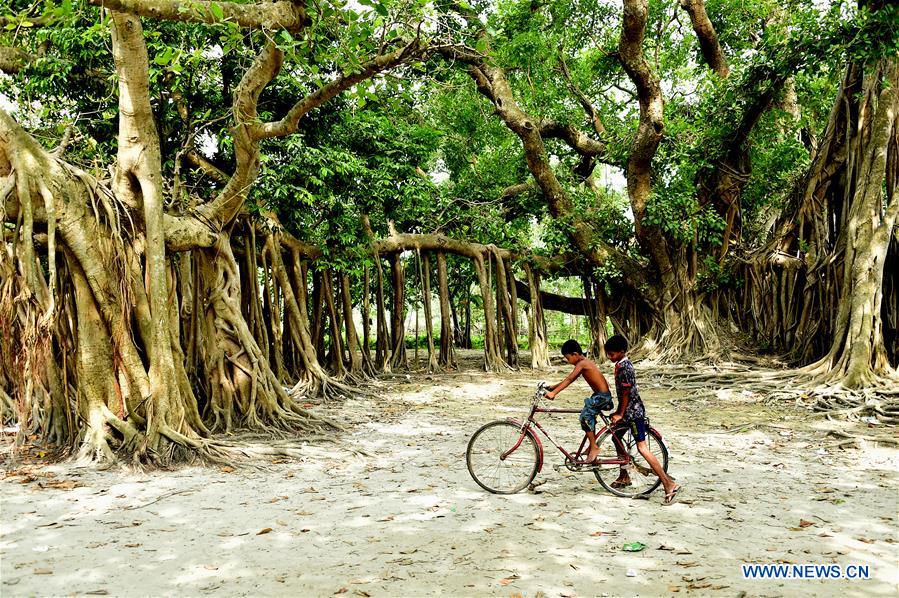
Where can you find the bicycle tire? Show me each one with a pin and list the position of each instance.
(607, 451)
(486, 446)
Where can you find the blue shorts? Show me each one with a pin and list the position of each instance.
(592, 406)
(638, 428)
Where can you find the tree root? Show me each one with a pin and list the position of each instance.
(807, 388)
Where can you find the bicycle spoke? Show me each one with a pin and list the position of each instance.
(490, 470)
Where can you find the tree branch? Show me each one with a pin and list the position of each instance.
(290, 123)
(705, 33)
(14, 60)
(281, 14)
(582, 98)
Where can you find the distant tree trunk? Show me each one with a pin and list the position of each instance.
(382, 347)
(318, 316)
(273, 312)
(493, 361)
(398, 328)
(466, 328)
(335, 356)
(424, 264)
(537, 338)
(513, 304)
(596, 318)
(504, 310)
(447, 357)
(352, 340)
(366, 314)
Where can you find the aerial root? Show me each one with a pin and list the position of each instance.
(808, 389)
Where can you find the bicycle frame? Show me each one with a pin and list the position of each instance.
(531, 422)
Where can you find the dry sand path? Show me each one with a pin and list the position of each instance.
(390, 510)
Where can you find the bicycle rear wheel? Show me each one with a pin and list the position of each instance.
(486, 465)
(642, 479)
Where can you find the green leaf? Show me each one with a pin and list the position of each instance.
(217, 11)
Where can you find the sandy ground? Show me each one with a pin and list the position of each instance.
(390, 510)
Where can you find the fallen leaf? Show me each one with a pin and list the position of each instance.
(865, 540)
(804, 523)
(43, 572)
(264, 530)
(507, 580)
(674, 589)
(100, 592)
(60, 484)
(687, 564)
(226, 469)
(341, 591)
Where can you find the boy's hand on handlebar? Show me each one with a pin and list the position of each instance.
(550, 395)
(615, 418)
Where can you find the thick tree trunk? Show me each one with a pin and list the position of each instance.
(858, 357)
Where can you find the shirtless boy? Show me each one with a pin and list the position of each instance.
(600, 399)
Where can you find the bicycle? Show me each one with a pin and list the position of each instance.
(505, 456)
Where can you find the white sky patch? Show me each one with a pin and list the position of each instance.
(208, 144)
(439, 174)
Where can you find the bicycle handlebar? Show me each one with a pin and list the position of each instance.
(541, 391)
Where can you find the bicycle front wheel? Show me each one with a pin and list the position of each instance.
(629, 476)
(492, 468)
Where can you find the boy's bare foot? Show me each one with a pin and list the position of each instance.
(622, 482)
(591, 456)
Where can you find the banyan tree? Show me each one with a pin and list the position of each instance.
(214, 211)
